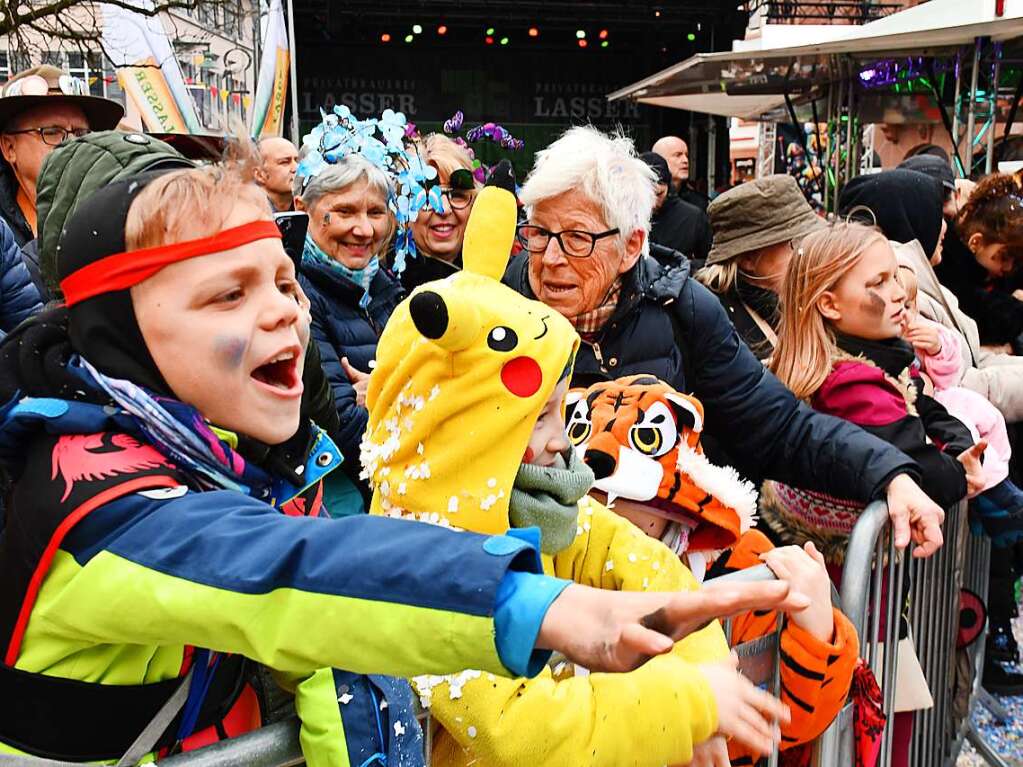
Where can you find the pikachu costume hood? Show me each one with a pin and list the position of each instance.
(464, 367)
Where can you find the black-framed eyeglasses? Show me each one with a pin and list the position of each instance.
(53, 135)
(573, 242)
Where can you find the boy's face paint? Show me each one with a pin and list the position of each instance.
(230, 350)
(548, 439)
(869, 300)
(228, 332)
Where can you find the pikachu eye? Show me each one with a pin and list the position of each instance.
(502, 339)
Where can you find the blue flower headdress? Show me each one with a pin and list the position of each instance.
(382, 142)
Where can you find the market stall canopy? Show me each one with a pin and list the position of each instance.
(750, 83)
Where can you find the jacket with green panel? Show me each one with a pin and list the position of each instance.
(122, 570)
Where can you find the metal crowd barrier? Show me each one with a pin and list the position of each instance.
(872, 573)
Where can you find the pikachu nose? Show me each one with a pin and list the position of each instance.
(602, 464)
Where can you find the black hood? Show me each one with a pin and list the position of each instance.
(906, 205)
(103, 329)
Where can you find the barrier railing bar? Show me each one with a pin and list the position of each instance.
(273, 746)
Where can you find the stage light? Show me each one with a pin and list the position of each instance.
(442, 30)
(504, 41)
(490, 30)
(581, 34)
(534, 32)
(657, 14)
(691, 37)
(489, 40)
(417, 29)
(582, 43)
(385, 37)
(604, 44)
(409, 38)
(602, 34)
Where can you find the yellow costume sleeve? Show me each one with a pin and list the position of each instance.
(651, 716)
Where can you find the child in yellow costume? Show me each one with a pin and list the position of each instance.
(466, 428)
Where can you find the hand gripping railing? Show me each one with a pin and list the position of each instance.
(760, 658)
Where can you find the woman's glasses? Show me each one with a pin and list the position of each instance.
(573, 242)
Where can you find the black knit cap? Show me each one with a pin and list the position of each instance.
(658, 165)
(906, 205)
(104, 329)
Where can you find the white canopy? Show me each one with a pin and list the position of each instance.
(707, 82)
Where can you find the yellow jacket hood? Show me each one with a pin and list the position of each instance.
(464, 367)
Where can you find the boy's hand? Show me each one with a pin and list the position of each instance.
(711, 753)
(620, 630)
(805, 566)
(914, 515)
(970, 459)
(745, 712)
(360, 381)
(923, 337)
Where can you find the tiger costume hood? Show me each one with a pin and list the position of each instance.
(641, 438)
(464, 367)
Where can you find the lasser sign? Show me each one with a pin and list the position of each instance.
(431, 84)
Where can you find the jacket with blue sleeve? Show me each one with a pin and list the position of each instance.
(19, 297)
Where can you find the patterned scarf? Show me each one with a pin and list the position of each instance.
(178, 431)
(588, 324)
(313, 253)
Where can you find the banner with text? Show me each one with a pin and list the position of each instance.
(147, 70)
(272, 86)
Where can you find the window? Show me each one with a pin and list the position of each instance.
(5, 66)
(89, 68)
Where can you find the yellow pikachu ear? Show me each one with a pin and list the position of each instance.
(452, 325)
(490, 232)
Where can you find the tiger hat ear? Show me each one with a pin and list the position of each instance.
(688, 411)
(572, 400)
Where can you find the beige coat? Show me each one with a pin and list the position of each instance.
(999, 377)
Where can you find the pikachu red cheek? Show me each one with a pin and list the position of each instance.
(522, 376)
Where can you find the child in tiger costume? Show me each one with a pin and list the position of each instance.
(466, 429)
(641, 438)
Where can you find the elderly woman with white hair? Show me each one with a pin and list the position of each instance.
(588, 201)
(351, 297)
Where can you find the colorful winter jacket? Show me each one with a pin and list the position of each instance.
(125, 565)
(464, 368)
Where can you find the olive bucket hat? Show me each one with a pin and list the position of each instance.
(758, 214)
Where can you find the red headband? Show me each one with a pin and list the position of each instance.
(122, 270)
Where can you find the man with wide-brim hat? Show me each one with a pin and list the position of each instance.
(757, 226)
(40, 108)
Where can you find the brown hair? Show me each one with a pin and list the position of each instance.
(802, 357)
(193, 203)
(994, 211)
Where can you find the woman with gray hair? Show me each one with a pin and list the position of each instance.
(588, 202)
(351, 297)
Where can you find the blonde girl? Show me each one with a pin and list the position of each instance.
(839, 347)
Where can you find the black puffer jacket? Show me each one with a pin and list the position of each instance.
(759, 423)
(341, 328)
